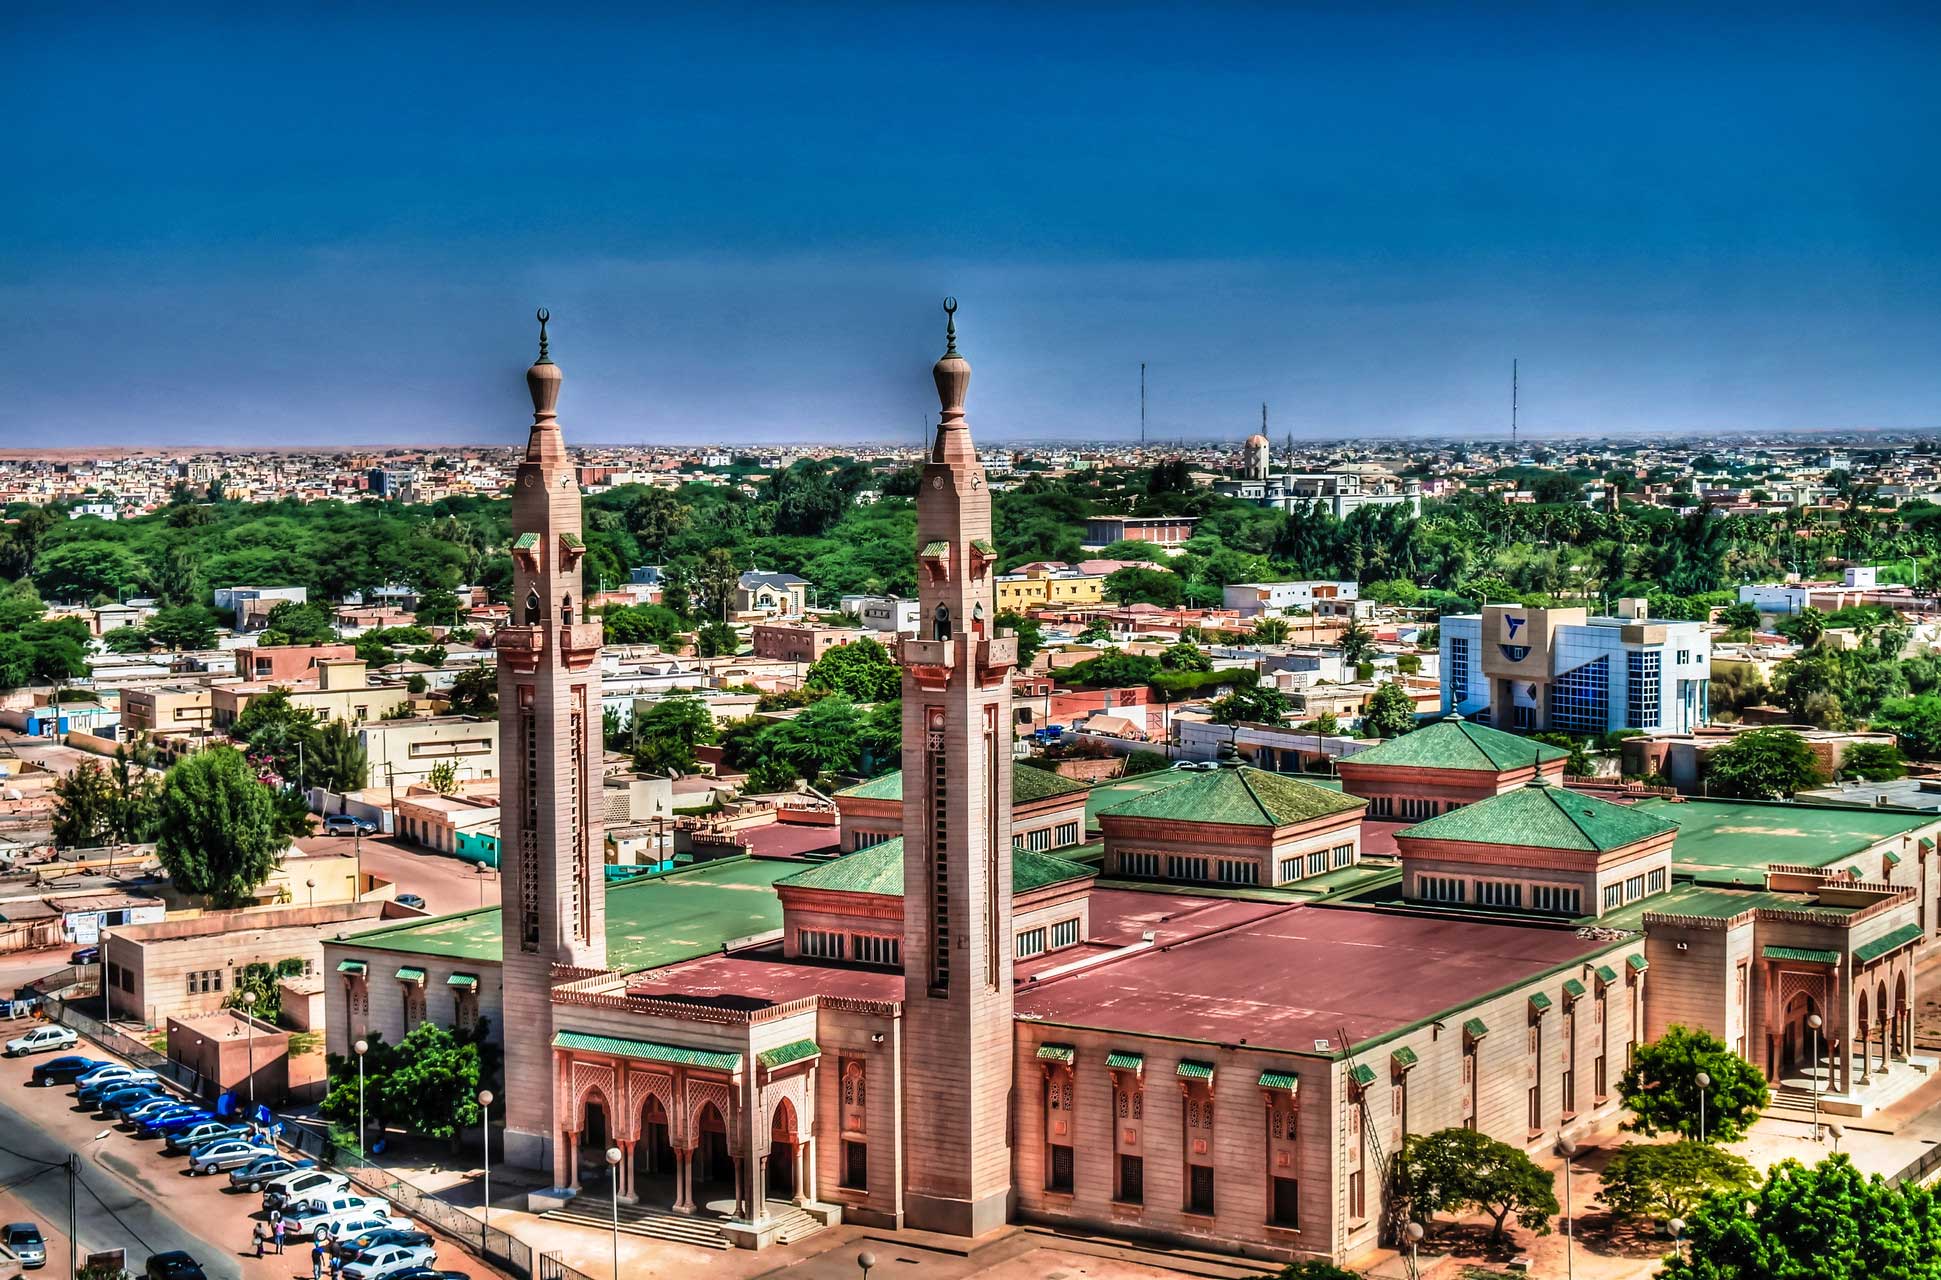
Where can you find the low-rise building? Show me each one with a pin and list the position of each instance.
(405, 752)
(1234, 825)
(771, 594)
(283, 663)
(800, 641)
(1047, 811)
(1161, 531)
(1253, 599)
(166, 709)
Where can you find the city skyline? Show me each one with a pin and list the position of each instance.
(1690, 223)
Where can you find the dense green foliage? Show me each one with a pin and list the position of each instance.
(1873, 762)
(115, 803)
(1826, 1222)
(830, 737)
(259, 981)
(1256, 705)
(1764, 764)
(1390, 712)
(1453, 1170)
(219, 829)
(428, 1083)
(666, 733)
(861, 671)
(1660, 1087)
(1671, 1179)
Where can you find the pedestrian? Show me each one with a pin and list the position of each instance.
(316, 1258)
(277, 1229)
(256, 1237)
(336, 1262)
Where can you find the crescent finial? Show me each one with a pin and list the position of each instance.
(950, 327)
(543, 315)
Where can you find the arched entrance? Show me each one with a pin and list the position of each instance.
(714, 1168)
(596, 1135)
(654, 1153)
(1901, 1021)
(782, 1145)
(1799, 1048)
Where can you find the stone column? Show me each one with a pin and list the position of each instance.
(625, 1172)
(1866, 1053)
(573, 1159)
(805, 1182)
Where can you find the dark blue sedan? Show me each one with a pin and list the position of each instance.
(63, 1070)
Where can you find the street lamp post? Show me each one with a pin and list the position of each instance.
(1677, 1228)
(1704, 1082)
(312, 886)
(613, 1180)
(249, 1034)
(1835, 1132)
(865, 1260)
(1412, 1233)
(1814, 1022)
(1566, 1148)
(362, 1047)
(485, 1132)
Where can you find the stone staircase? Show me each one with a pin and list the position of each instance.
(642, 1220)
(793, 1223)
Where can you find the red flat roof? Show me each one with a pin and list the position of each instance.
(789, 839)
(1304, 974)
(1119, 917)
(762, 975)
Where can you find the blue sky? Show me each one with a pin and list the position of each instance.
(331, 223)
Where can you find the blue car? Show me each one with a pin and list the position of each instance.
(253, 1175)
(63, 1069)
(170, 1119)
(137, 1111)
(114, 1101)
(100, 1069)
(96, 1090)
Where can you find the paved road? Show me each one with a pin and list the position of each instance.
(446, 884)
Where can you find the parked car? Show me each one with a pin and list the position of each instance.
(85, 955)
(25, 1240)
(348, 824)
(257, 1173)
(180, 1117)
(411, 900)
(137, 1110)
(327, 1210)
(102, 1072)
(227, 1153)
(42, 1039)
(62, 1070)
(302, 1185)
(426, 1273)
(347, 1227)
(173, 1265)
(189, 1137)
(127, 1096)
(99, 1090)
(378, 1239)
(388, 1259)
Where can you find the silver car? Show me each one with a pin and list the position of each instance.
(25, 1240)
(227, 1153)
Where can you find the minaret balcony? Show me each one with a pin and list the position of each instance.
(928, 661)
(579, 642)
(519, 648)
(996, 658)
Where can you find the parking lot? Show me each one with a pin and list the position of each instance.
(134, 1195)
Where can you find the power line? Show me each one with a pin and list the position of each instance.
(112, 1214)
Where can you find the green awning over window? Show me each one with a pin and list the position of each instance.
(1927, 844)
(1606, 974)
(1802, 955)
(647, 1050)
(1191, 1070)
(1057, 1053)
(464, 981)
(1403, 1058)
(1891, 858)
(1539, 1002)
(984, 546)
(572, 540)
(1638, 963)
(1887, 942)
(1285, 1080)
(1574, 989)
(525, 542)
(1122, 1060)
(411, 973)
(932, 550)
(1475, 1028)
(357, 967)
(1363, 1074)
(1853, 869)
(782, 1055)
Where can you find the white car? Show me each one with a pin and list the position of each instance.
(302, 1184)
(42, 1039)
(348, 1226)
(388, 1259)
(304, 1217)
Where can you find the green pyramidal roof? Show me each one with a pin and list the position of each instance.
(1242, 797)
(879, 869)
(1456, 743)
(1027, 784)
(1544, 817)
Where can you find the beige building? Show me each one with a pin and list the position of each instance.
(1048, 588)
(167, 709)
(341, 691)
(404, 752)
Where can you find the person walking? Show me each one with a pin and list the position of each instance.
(256, 1237)
(278, 1229)
(336, 1261)
(316, 1258)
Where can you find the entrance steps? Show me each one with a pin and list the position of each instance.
(792, 1223)
(642, 1220)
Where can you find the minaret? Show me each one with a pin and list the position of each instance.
(552, 886)
(957, 839)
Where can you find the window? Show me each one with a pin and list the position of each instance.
(855, 1165)
(1236, 871)
(1183, 868)
(1037, 841)
(1060, 1178)
(1287, 1202)
(1644, 695)
(1570, 1093)
(1580, 698)
(1139, 864)
(1684, 657)
(1613, 896)
(1458, 670)
(818, 943)
(1067, 834)
(1200, 1192)
(1030, 943)
(1132, 1180)
(1536, 1109)
(1317, 862)
(1064, 934)
(1634, 888)
(1291, 868)
(1655, 882)
(1561, 899)
(1357, 1197)
(465, 1010)
(1343, 854)
(1381, 806)
(1412, 807)
(870, 948)
(1499, 893)
(1439, 888)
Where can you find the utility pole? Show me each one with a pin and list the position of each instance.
(1513, 406)
(73, 1242)
(1142, 404)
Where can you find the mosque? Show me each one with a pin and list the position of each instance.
(1204, 1010)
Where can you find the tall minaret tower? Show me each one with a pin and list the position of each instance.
(957, 842)
(552, 884)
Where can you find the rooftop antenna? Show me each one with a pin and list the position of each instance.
(1142, 405)
(1512, 404)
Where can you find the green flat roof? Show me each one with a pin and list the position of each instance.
(879, 869)
(1107, 794)
(1456, 743)
(1713, 902)
(1544, 817)
(1808, 955)
(1738, 839)
(651, 920)
(782, 1055)
(1242, 796)
(1028, 783)
(1887, 942)
(647, 1050)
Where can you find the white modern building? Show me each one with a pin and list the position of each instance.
(1251, 599)
(1563, 670)
(892, 614)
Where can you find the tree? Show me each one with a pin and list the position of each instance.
(1326, 722)
(438, 609)
(83, 806)
(218, 830)
(1184, 656)
(1873, 761)
(1357, 643)
(261, 980)
(280, 733)
(642, 624)
(717, 578)
(291, 623)
(1390, 712)
(428, 1083)
(125, 640)
(135, 794)
(715, 640)
(1261, 704)
(1578, 763)
(1113, 669)
(1806, 628)
(1315, 1269)
(1270, 630)
(1030, 635)
(1096, 630)
(1916, 722)
(339, 762)
(1743, 616)
(1765, 764)
(185, 626)
(475, 693)
(1827, 1222)
(668, 731)
(1146, 762)
(1674, 1178)
(861, 671)
(87, 570)
(1151, 586)
(443, 778)
(1455, 1169)
(1660, 1087)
